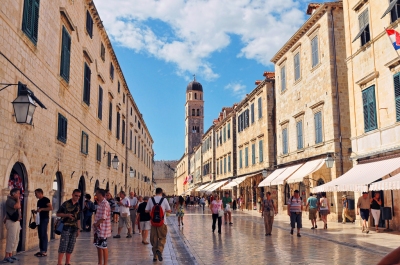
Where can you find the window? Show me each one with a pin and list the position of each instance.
(240, 159)
(260, 151)
(229, 163)
(283, 78)
(108, 159)
(102, 52)
(363, 34)
(110, 117)
(224, 165)
(299, 130)
(394, 9)
(318, 127)
(30, 20)
(229, 131)
(246, 156)
(220, 166)
(100, 107)
(123, 98)
(369, 105)
(193, 112)
(259, 107)
(86, 85)
(112, 74)
(253, 154)
(297, 66)
(98, 153)
(284, 141)
(65, 54)
(138, 148)
(314, 51)
(118, 124)
(252, 112)
(131, 111)
(224, 134)
(84, 143)
(396, 79)
(198, 112)
(89, 24)
(62, 128)
(135, 146)
(130, 140)
(119, 84)
(243, 120)
(123, 132)
(195, 95)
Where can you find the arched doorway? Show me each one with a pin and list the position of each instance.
(56, 200)
(18, 179)
(96, 186)
(82, 188)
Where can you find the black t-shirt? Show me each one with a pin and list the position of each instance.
(42, 203)
(142, 211)
(375, 205)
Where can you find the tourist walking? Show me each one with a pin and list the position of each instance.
(312, 205)
(140, 200)
(324, 209)
(202, 203)
(158, 207)
(133, 201)
(115, 209)
(43, 208)
(363, 209)
(345, 212)
(70, 212)
(268, 212)
(180, 210)
(227, 203)
(376, 204)
(217, 212)
(88, 210)
(102, 227)
(124, 219)
(144, 219)
(12, 222)
(294, 210)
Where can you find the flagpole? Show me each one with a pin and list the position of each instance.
(398, 55)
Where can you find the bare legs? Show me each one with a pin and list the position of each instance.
(102, 255)
(67, 258)
(145, 235)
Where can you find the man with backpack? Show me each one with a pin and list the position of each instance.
(88, 210)
(158, 206)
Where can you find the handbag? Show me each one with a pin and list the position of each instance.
(220, 213)
(59, 227)
(32, 225)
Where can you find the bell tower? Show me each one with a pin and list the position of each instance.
(194, 113)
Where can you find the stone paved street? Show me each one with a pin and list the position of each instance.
(242, 243)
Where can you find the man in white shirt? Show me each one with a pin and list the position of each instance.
(158, 234)
(133, 209)
(124, 215)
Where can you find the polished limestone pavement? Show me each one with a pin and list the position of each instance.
(243, 243)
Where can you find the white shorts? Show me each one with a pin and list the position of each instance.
(145, 225)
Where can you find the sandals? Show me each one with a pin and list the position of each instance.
(40, 254)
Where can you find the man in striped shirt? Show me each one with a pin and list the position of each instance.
(294, 208)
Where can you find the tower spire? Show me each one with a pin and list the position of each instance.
(194, 77)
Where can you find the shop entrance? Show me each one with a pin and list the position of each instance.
(17, 180)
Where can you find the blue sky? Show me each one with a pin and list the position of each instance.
(227, 44)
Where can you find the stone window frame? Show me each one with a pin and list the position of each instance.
(319, 107)
(285, 125)
(299, 117)
(296, 51)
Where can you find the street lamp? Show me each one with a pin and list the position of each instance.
(131, 172)
(264, 173)
(115, 162)
(329, 160)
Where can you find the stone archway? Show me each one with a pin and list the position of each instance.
(96, 185)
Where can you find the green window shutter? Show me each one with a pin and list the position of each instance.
(252, 112)
(297, 66)
(100, 107)
(30, 20)
(259, 107)
(35, 26)
(318, 127)
(89, 24)
(246, 157)
(123, 131)
(118, 124)
(260, 151)
(224, 134)
(110, 117)
(86, 85)
(229, 131)
(283, 78)
(299, 127)
(229, 163)
(62, 128)
(240, 158)
(224, 165)
(369, 107)
(253, 154)
(284, 141)
(65, 54)
(314, 50)
(396, 79)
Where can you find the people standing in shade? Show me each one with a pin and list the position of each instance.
(144, 219)
(12, 222)
(363, 209)
(125, 219)
(88, 210)
(268, 212)
(102, 226)
(324, 209)
(43, 208)
(345, 212)
(216, 206)
(376, 204)
(140, 200)
(70, 212)
(312, 205)
(180, 210)
(158, 234)
(294, 210)
(227, 204)
(133, 210)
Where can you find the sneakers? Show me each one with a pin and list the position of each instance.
(117, 236)
(129, 236)
(8, 260)
(14, 258)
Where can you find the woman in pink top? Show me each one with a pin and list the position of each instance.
(215, 207)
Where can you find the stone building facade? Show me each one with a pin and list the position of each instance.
(312, 106)
(164, 172)
(61, 52)
(374, 88)
(208, 156)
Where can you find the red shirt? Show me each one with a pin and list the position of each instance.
(103, 212)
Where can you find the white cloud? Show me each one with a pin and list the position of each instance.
(237, 89)
(197, 29)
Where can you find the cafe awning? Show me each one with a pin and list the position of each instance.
(360, 176)
(267, 181)
(392, 183)
(234, 183)
(202, 187)
(216, 186)
(285, 174)
(305, 170)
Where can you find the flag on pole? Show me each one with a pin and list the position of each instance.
(394, 36)
(186, 181)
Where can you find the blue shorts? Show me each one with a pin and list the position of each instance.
(364, 213)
